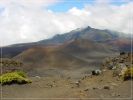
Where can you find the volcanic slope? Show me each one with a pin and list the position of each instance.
(75, 54)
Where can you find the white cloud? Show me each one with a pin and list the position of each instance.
(27, 3)
(79, 12)
(28, 23)
(117, 18)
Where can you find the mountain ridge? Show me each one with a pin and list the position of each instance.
(88, 33)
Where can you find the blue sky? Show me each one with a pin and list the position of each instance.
(65, 5)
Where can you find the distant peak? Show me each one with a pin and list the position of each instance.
(88, 27)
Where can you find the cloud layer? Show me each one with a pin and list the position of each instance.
(28, 3)
(23, 21)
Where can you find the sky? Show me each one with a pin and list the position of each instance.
(23, 21)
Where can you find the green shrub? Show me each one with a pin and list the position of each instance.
(21, 73)
(18, 77)
(128, 74)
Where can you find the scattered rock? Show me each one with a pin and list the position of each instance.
(116, 73)
(94, 88)
(115, 94)
(110, 65)
(118, 95)
(37, 77)
(51, 85)
(114, 84)
(122, 53)
(100, 80)
(53, 81)
(84, 77)
(77, 83)
(106, 87)
(104, 70)
(114, 67)
(128, 64)
(68, 77)
(123, 71)
(86, 90)
(72, 87)
(114, 63)
(96, 72)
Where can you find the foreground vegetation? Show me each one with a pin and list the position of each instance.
(17, 77)
(128, 74)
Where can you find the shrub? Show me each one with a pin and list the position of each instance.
(128, 74)
(21, 73)
(18, 77)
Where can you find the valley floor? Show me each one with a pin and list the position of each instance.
(101, 87)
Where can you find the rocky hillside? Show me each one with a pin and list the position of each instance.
(120, 64)
(124, 59)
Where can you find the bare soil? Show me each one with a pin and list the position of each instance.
(101, 87)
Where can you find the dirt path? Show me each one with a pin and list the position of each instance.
(102, 86)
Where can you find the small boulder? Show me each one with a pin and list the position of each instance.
(110, 65)
(106, 87)
(122, 53)
(77, 83)
(94, 88)
(37, 77)
(96, 72)
(86, 90)
(123, 70)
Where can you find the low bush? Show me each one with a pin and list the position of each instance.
(17, 77)
(128, 74)
(21, 73)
